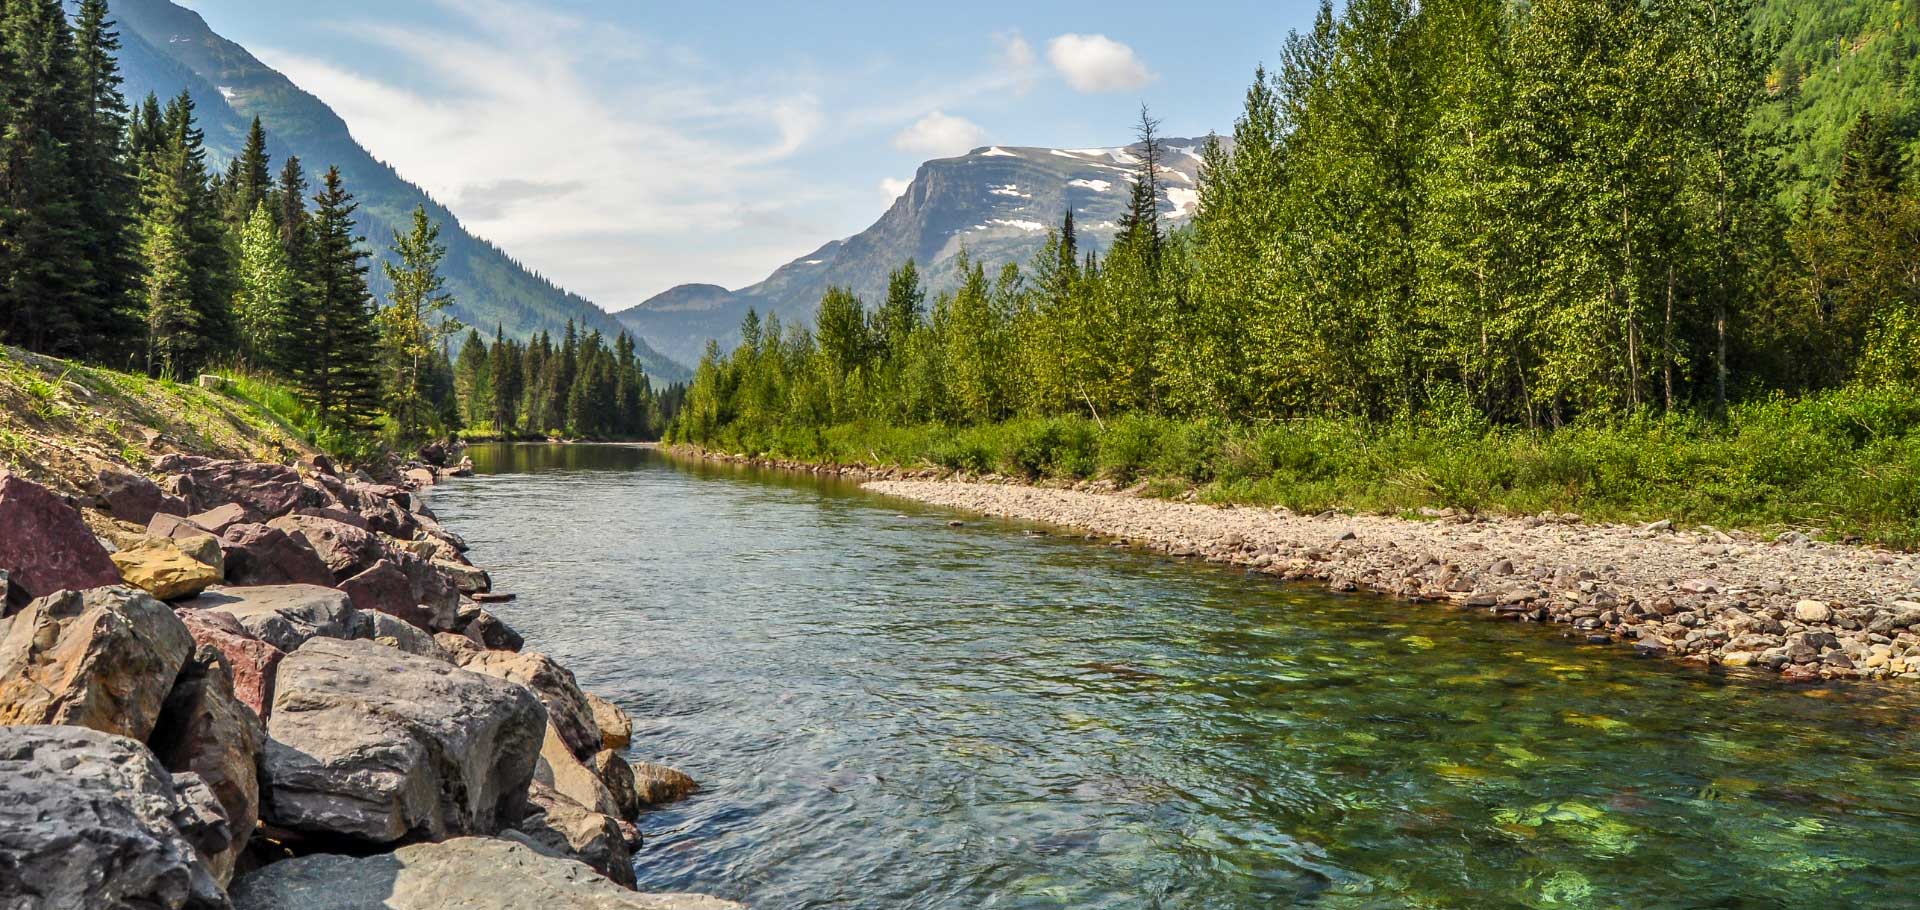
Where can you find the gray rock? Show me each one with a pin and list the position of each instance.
(487, 629)
(375, 746)
(284, 616)
(265, 555)
(567, 707)
(205, 730)
(558, 826)
(398, 633)
(467, 579)
(471, 873)
(90, 820)
(617, 776)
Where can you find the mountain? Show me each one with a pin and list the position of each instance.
(167, 48)
(996, 203)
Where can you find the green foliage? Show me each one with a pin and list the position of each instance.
(412, 326)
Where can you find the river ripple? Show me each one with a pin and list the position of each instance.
(890, 713)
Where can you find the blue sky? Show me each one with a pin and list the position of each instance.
(622, 148)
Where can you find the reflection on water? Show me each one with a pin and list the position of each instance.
(888, 713)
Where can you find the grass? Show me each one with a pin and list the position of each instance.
(1843, 464)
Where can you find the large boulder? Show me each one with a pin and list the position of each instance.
(91, 821)
(205, 730)
(559, 826)
(471, 873)
(616, 727)
(132, 497)
(398, 633)
(265, 490)
(567, 708)
(250, 661)
(165, 570)
(383, 588)
(264, 555)
(369, 745)
(572, 778)
(347, 550)
(103, 659)
(284, 616)
(45, 546)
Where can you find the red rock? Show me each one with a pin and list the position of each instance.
(217, 520)
(385, 589)
(130, 497)
(265, 490)
(347, 550)
(45, 545)
(175, 527)
(262, 555)
(252, 661)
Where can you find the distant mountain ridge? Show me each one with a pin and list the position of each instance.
(167, 48)
(997, 203)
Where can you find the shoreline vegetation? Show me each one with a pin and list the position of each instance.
(1715, 598)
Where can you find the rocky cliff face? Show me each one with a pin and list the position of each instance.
(996, 204)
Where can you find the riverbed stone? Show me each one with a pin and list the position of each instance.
(373, 746)
(91, 821)
(45, 546)
(616, 727)
(470, 873)
(347, 550)
(559, 826)
(164, 569)
(103, 659)
(1812, 611)
(567, 708)
(284, 616)
(206, 730)
(250, 661)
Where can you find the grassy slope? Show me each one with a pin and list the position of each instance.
(1838, 465)
(60, 422)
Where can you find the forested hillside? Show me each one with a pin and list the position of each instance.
(1539, 218)
(168, 49)
(1835, 60)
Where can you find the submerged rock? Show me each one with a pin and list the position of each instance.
(658, 785)
(90, 820)
(103, 659)
(471, 873)
(367, 744)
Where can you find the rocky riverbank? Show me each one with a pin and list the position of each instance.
(1804, 609)
(261, 685)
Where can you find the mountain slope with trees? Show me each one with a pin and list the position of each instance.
(169, 49)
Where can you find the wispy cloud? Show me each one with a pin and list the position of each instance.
(940, 135)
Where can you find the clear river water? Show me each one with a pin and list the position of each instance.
(887, 713)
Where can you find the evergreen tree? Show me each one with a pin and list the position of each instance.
(105, 185)
(334, 343)
(266, 299)
(249, 179)
(46, 285)
(507, 380)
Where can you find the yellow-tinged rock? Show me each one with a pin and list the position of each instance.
(616, 728)
(163, 569)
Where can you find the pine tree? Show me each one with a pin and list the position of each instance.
(507, 380)
(266, 297)
(473, 379)
(46, 283)
(105, 185)
(334, 343)
(249, 179)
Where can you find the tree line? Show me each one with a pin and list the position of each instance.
(121, 245)
(581, 387)
(1513, 214)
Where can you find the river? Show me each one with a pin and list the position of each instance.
(890, 713)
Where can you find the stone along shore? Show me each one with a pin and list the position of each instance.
(1805, 609)
(274, 687)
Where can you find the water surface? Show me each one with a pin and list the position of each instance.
(889, 713)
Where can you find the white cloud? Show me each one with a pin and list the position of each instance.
(1097, 63)
(509, 118)
(940, 135)
(893, 188)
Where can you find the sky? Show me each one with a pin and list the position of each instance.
(622, 148)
